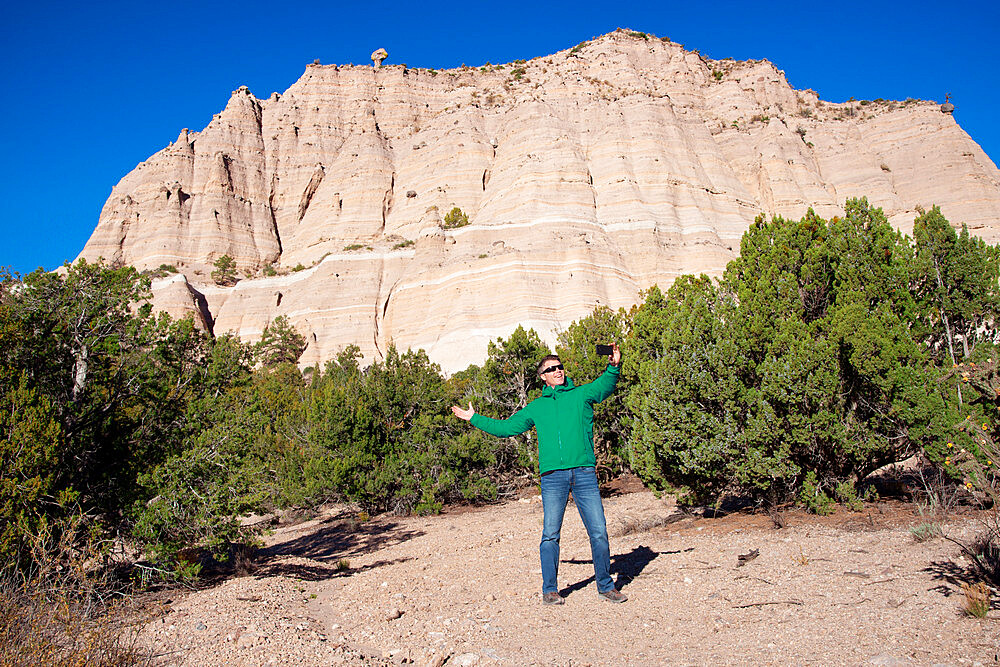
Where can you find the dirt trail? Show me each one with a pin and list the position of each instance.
(463, 589)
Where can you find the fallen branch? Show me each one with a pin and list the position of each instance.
(761, 604)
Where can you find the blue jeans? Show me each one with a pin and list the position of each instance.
(555, 494)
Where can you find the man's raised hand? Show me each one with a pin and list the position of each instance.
(616, 355)
(463, 414)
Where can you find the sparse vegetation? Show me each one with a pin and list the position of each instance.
(717, 74)
(925, 531)
(162, 271)
(403, 244)
(353, 246)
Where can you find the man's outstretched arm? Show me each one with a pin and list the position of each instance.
(519, 422)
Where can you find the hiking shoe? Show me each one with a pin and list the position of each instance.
(614, 595)
(552, 598)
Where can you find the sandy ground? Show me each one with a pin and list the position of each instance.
(463, 588)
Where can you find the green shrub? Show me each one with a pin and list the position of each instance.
(280, 343)
(161, 271)
(925, 531)
(197, 499)
(94, 390)
(847, 495)
(455, 218)
(386, 439)
(800, 364)
(225, 271)
(813, 497)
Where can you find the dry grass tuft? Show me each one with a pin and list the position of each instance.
(39, 628)
(244, 559)
(69, 607)
(976, 603)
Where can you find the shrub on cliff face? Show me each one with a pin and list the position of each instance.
(455, 218)
(225, 271)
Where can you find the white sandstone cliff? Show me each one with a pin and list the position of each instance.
(587, 176)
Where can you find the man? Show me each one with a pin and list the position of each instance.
(563, 418)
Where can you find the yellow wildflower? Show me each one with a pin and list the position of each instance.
(950, 445)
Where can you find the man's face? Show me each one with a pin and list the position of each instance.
(555, 377)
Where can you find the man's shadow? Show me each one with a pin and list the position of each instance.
(626, 566)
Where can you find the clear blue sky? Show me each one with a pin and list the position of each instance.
(92, 89)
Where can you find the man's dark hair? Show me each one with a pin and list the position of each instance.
(544, 363)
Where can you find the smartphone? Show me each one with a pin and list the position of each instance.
(604, 350)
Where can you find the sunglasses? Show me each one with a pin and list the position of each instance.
(557, 367)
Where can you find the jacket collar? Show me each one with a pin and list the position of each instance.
(552, 391)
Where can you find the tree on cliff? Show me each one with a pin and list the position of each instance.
(280, 343)
(225, 271)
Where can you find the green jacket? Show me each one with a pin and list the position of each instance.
(564, 419)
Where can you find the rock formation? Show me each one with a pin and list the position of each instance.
(587, 176)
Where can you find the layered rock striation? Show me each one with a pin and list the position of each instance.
(586, 176)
